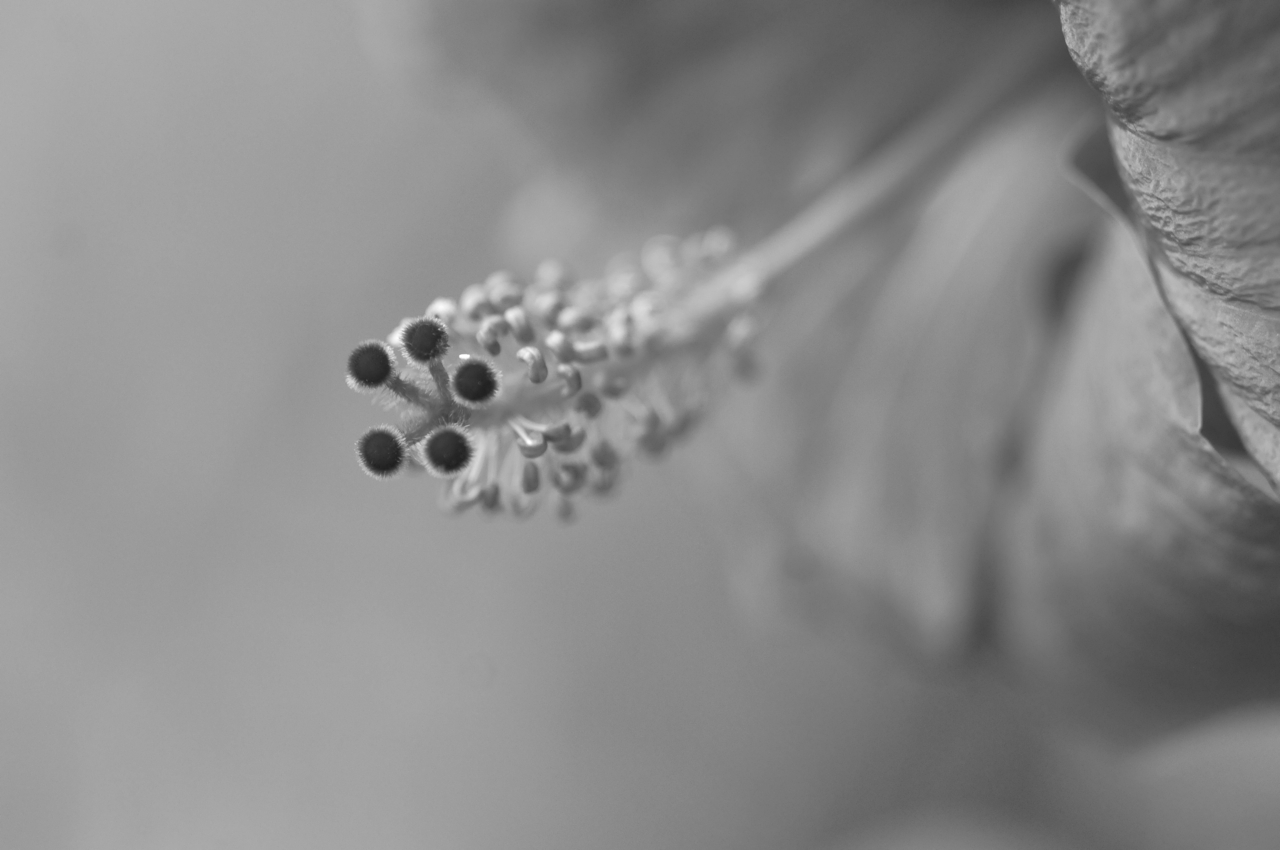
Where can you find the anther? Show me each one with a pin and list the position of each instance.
(660, 260)
(447, 451)
(475, 382)
(589, 405)
(568, 478)
(423, 340)
(531, 442)
(653, 438)
(623, 280)
(552, 273)
(546, 306)
(605, 482)
(575, 319)
(518, 320)
(522, 508)
(619, 330)
(502, 290)
(369, 366)
(590, 350)
(572, 379)
(474, 302)
(604, 455)
(491, 498)
(565, 510)
(560, 346)
(457, 502)
(530, 477)
(681, 424)
(444, 309)
(570, 443)
(653, 443)
(532, 357)
(739, 337)
(557, 433)
(381, 452)
(650, 421)
(614, 386)
(691, 253)
(718, 243)
(534, 446)
(492, 329)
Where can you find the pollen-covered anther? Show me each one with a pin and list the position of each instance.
(568, 478)
(718, 243)
(530, 477)
(559, 344)
(604, 455)
(572, 379)
(653, 436)
(503, 291)
(605, 482)
(532, 446)
(557, 432)
(531, 442)
(423, 340)
(653, 444)
(682, 424)
(619, 332)
(574, 319)
(660, 259)
(475, 382)
(447, 451)
(444, 309)
(474, 302)
(518, 320)
(532, 358)
(492, 330)
(569, 443)
(491, 498)
(553, 274)
(614, 386)
(588, 404)
(545, 306)
(590, 350)
(381, 451)
(740, 337)
(369, 366)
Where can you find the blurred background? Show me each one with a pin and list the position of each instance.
(216, 632)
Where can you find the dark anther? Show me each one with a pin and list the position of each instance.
(381, 452)
(425, 339)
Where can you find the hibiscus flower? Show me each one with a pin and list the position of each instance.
(1005, 417)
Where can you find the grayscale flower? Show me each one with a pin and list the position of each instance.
(1001, 414)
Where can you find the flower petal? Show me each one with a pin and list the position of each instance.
(1141, 576)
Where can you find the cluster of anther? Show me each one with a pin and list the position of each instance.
(607, 367)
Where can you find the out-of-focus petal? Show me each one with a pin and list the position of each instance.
(1194, 90)
(1142, 580)
(892, 409)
